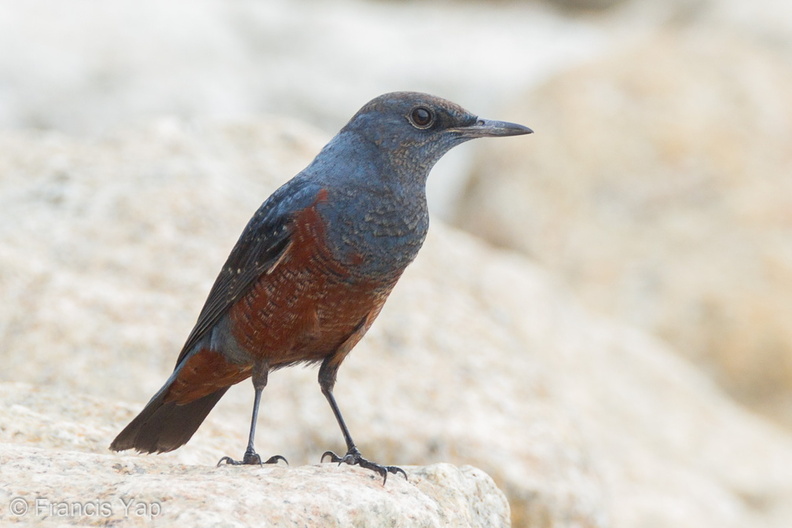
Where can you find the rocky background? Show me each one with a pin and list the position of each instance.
(613, 350)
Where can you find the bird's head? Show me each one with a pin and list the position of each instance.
(414, 129)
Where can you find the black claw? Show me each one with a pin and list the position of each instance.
(251, 458)
(274, 460)
(353, 457)
(230, 461)
(333, 457)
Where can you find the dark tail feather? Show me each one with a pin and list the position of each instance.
(162, 427)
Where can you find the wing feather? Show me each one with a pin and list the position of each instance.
(262, 246)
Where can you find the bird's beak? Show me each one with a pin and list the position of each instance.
(488, 128)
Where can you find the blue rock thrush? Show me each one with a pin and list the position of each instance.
(313, 268)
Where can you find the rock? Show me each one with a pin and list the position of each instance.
(480, 357)
(50, 476)
(657, 186)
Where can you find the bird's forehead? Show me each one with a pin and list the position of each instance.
(402, 102)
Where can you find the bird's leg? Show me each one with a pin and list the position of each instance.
(259, 377)
(327, 378)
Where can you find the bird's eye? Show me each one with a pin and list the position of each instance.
(421, 117)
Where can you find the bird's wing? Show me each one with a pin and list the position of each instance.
(263, 243)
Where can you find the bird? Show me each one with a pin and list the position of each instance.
(312, 270)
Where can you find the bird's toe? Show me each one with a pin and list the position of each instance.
(354, 458)
(251, 458)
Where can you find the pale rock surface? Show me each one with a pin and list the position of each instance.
(658, 186)
(480, 357)
(55, 469)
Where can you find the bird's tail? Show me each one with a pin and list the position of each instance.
(163, 426)
(173, 415)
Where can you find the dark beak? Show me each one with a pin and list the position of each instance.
(488, 128)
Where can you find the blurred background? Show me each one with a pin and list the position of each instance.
(657, 188)
(658, 184)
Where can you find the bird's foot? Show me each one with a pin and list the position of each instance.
(251, 458)
(354, 458)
